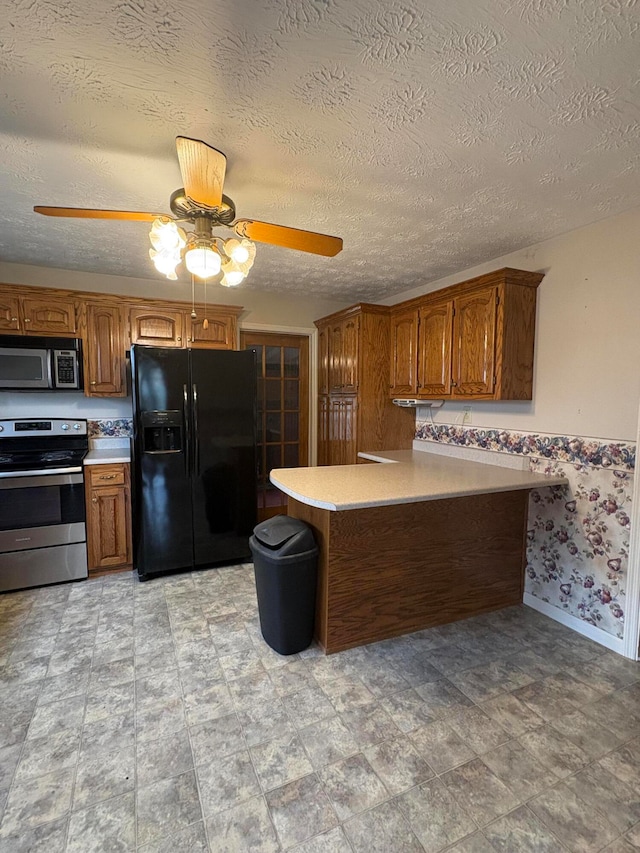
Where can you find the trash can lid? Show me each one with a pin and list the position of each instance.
(276, 530)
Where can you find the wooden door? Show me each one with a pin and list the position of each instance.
(474, 332)
(157, 327)
(219, 334)
(9, 314)
(343, 430)
(282, 365)
(350, 330)
(104, 352)
(49, 315)
(336, 380)
(404, 353)
(434, 350)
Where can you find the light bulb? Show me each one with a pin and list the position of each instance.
(232, 278)
(166, 262)
(166, 235)
(241, 251)
(202, 260)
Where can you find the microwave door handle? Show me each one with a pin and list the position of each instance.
(49, 367)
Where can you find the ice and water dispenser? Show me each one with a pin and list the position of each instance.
(162, 432)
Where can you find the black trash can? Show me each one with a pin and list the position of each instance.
(285, 562)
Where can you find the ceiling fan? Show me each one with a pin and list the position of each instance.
(202, 203)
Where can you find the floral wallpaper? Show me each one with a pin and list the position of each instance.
(577, 535)
(116, 428)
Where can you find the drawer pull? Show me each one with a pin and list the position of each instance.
(107, 476)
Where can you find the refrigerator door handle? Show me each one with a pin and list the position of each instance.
(187, 429)
(196, 442)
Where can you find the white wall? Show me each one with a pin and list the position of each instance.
(587, 357)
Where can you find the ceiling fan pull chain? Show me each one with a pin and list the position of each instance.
(205, 322)
(193, 297)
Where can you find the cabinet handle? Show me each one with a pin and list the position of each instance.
(93, 382)
(178, 339)
(453, 384)
(94, 500)
(107, 476)
(189, 340)
(27, 320)
(14, 319)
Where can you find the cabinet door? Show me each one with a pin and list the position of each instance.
(404, 353)
(158, 328)
(219, 334)
(343, 430)
(474, 332)
(324, 454)
(107, 527)
(9, 314)
(335, 358)
(434, 348)
(349, 380)
(323, 360)
(104, 362)
(49, 315)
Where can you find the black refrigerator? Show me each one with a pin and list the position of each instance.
(194, 458)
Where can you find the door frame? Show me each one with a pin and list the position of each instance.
(312, 335)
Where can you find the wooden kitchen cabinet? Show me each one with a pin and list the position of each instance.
(37, 315)
(108, 501)
(157, 327)
(354, 410)
(104, 356)
(222, 331)
(475, 340)
(404, 349)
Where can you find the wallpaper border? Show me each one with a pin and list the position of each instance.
(591, 452)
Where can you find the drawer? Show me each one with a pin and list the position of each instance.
(106, 475)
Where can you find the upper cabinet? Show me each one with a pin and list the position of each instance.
(33, 315)
(157, 327)
(473, 340)
(174, 327)
(104, 352)
(342, 343)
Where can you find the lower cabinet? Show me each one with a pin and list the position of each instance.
(108, 498)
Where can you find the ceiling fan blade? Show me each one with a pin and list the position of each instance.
(290, 238)
(83, 213)
(202, 169)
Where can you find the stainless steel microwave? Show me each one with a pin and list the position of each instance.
(31, 363)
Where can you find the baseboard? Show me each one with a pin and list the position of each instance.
(578, 625)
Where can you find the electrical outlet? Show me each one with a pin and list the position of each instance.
(466, 416)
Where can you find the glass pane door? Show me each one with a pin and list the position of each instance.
(282, 364)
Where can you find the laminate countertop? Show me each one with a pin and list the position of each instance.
(107, 451)
(404, 476)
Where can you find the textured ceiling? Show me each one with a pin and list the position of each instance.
(429, 135)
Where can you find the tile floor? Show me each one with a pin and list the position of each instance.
(153, 717)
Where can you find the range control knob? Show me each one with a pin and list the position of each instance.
(76, 426)
(65, 427)
(1, 428)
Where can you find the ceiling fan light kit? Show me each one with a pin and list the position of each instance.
(202, 203)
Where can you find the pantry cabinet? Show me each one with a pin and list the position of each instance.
(354, 411)
(108, 500)
(473, 340)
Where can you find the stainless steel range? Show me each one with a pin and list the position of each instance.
(42, 511)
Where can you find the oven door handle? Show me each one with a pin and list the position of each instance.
(35, 479)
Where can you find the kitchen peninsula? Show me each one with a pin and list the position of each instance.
(416, 541)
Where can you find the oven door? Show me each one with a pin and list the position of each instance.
(41, 511)
(22, 368)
